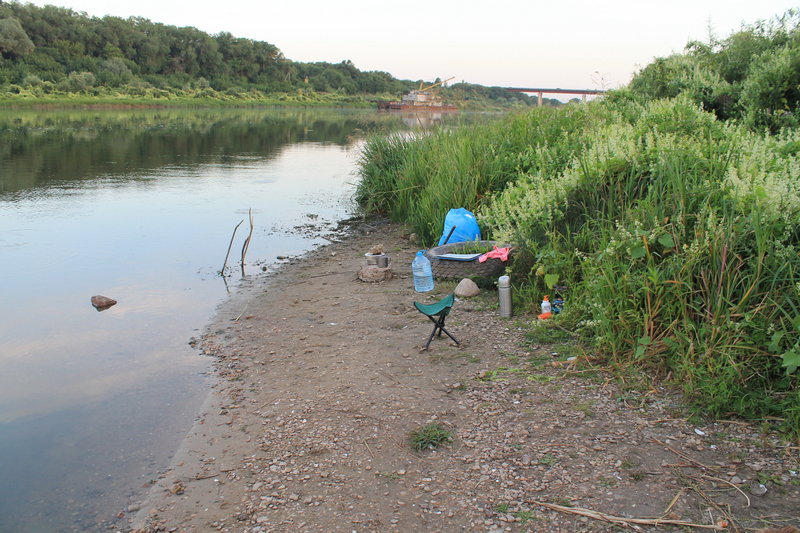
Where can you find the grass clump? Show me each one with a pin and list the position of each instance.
(525, 516)
(548, 460)
(430, 436)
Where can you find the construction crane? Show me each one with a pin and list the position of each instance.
(434, 85)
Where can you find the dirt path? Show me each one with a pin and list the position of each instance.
(322, 381)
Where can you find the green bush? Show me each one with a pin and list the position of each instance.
(32, 81)
(771, 93)
(79, 81)
(677, 237)
(752, 75)
(676, 234)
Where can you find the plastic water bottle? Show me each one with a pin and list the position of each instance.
(504, 293)
(423, 276)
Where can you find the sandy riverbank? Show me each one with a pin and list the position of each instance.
(321, 381)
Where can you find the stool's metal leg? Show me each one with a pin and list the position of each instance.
(427, 344)
(440, 325)
(448, 334)
(438, 328)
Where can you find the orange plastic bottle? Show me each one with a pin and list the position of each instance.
(546, 309)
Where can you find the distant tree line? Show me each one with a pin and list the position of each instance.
(54, 49)
(752, 76)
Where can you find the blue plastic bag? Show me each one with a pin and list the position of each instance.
(466, 227)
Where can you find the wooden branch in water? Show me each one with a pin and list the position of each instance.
(247, 240)
(222, 272)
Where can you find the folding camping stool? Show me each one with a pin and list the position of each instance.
(440, 310)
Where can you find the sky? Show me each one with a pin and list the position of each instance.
(525, 43)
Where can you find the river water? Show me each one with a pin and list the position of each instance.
(138, 206)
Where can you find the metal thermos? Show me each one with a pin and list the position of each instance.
(504, 292)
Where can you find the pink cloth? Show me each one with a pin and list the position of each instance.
(499, 253)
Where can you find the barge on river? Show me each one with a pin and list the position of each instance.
(419, 100)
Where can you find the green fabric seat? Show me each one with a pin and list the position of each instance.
(437, 312)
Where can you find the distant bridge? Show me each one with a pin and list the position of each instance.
(540, 92)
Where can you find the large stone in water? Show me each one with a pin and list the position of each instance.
(101, 303)
(467, 288)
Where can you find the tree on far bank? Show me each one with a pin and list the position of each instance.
(14, 42)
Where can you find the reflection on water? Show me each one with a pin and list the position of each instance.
(137, 206)
(39, 149)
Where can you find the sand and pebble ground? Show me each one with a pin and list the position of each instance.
(321, 381)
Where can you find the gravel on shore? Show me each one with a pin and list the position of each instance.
(322, 382)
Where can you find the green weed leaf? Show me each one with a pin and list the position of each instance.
(791, 360)
(638, 252)
(775, 343)
(672, 344)
(666, 241)
(550, 280)
(641, 346)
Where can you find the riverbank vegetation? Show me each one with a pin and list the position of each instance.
(752, 76)
(673, 221)
(55, 55)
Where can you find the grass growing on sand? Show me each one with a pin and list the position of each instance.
(430, 436)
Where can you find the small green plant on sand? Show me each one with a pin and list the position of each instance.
(525, 516)
(637, 475)
(587, 408)
(608, 482)
(548, 460)
(430, 436)
(560, 500)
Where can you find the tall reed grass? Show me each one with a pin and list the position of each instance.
(418, 179)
